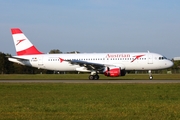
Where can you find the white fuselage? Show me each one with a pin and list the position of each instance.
(127, 61)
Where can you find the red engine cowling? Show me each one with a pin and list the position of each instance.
(112, 72)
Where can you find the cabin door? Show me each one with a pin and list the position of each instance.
(150, 59)
(40, 62)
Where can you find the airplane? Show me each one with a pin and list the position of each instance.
(109, 64)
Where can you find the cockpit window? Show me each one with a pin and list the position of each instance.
(162, 58)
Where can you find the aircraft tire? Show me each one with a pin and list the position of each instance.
(91, 77)
(151, 77)
(96, 77)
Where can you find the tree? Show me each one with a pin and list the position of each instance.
(55, 51)
(2, 61)
(176, 66)
(73, 52)
(9, 65)
(5, 66)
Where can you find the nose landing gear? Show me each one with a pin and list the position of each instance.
(150, 75)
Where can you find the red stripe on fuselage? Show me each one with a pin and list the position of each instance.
(30, 51)
(16, 31)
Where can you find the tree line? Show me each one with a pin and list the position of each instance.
(7, 67)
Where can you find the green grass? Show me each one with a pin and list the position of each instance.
(85, 76)
(89, 101)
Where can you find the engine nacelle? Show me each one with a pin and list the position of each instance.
(114, 72)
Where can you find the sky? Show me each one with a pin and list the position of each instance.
(93, 26)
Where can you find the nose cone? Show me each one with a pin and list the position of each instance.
(170, 63)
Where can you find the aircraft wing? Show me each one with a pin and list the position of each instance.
(89, 65)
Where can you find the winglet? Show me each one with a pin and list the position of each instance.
(22, 44)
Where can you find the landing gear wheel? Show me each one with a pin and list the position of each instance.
(150, 77)
(96, 77)
(91, 77)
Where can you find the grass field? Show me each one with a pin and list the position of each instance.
(85, 76)
(47, 101)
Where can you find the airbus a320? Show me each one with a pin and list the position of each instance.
(109, 64)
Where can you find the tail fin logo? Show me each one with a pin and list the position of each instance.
(19, 41)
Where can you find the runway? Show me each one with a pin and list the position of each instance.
(90, 81)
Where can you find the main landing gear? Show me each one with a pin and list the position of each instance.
(94, 76)
(150, 75)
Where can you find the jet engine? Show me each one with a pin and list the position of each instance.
(114, 72)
